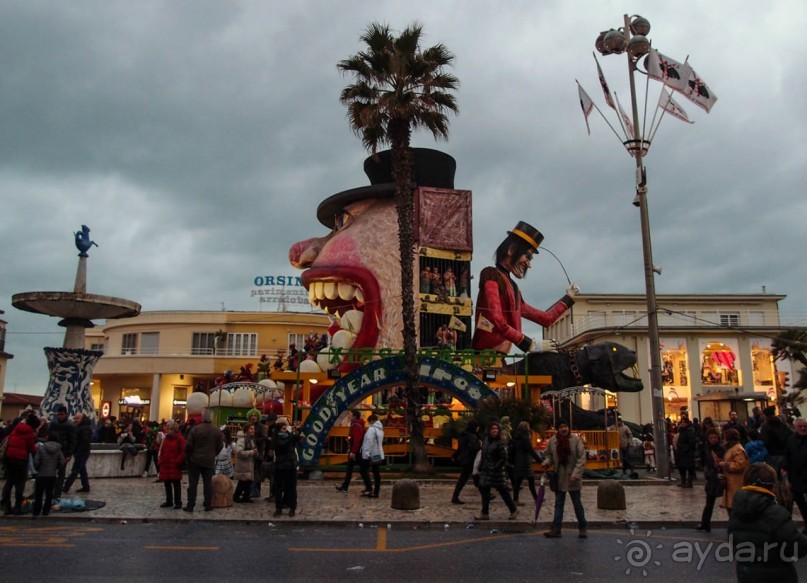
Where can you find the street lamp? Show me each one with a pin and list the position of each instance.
(632, 40)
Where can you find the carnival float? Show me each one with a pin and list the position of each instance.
(352, 272)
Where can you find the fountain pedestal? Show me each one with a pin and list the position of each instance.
(71, 365)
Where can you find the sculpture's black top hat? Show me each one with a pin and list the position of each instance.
(432, 168)
(528, 233)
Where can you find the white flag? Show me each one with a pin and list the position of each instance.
(668, 104)
(673, 74)
(698, 92)
(604, 84)
(628, 122)
(586, 104)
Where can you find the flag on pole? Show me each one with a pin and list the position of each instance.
(673, 74)
(699, 93)
(605, 89)
(456, 324)
(668, 104)
(627, 120)
(586, 104)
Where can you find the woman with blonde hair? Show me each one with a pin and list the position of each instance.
(734, 464)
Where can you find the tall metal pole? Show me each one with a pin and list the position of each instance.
(656, 390)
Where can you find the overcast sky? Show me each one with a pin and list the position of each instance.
(196, 139)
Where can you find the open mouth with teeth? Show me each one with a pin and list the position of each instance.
(352, 296)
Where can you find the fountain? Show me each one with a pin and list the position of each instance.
(71, 365)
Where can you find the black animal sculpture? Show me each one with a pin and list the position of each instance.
(600, 365)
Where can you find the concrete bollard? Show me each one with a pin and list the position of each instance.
(611, 495)
(405, 495)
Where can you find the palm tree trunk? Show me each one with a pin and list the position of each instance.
(402, 171)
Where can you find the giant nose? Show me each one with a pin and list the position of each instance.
(303, 253)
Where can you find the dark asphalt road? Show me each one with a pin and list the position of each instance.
(88, 551)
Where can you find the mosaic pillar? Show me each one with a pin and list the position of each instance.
(69, 384)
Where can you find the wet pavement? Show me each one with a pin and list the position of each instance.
(651, 503)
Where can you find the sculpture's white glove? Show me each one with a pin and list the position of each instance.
(572, 290)
(543, 346)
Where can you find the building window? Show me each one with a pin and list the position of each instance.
(96, 346)
(675, 377)
(129, 344)
(729, 320)
(242, 344)
(719, 363)
(150, 343)
(763, 366)
(298, 340)
(203, 343)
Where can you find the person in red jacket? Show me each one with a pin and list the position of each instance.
(500, 307)
(21, 444)
(170, 459)
(354, 457)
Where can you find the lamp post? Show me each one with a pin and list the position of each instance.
(632, 40)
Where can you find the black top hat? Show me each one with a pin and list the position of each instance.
(432, 168)
(528, 233)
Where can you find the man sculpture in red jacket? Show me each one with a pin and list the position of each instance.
(500, 307)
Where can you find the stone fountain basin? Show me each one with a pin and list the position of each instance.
(75, 305)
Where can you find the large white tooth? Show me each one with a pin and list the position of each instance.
(324, 359)
(312, 297)
(351, 320)
(359, 295)
(343, 339)
(329, 289)
(318, 292)
(347, 291)
(309, 366)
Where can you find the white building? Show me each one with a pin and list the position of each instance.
(715, 349)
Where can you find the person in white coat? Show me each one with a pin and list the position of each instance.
(372, 456)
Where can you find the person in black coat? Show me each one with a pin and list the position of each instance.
(523, 456)
(765, 539)
(710, 458)
(685, 453)
(286, 468)
(774, 435)
(795, 465)
(492, 471)
(82, 454)
(465, 456)
(66, 432)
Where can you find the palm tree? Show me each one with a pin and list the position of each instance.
(791, 345)
(397, 88)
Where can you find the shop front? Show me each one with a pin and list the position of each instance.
(675, 377)
(134, 404)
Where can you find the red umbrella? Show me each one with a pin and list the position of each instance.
(539, 499)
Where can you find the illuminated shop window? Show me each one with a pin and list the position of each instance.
(719, 362)
(675, 377)
(764, 369)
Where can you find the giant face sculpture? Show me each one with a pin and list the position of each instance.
(354, 274)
